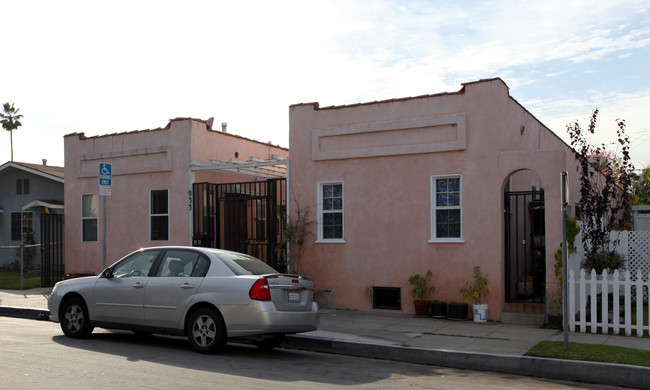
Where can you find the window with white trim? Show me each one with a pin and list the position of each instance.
(89, 217)
(446, 208)
(330, 211)
(159, 215)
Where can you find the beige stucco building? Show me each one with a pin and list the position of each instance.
(443, 182)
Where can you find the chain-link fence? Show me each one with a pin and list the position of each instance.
(20, 266)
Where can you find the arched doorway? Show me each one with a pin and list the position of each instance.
(525, 238)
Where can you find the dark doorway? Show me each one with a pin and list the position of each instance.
(525, 246)
(235, 222)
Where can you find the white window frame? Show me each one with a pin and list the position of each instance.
(434, 208)
(319, 189)
(87, 218)
(151, 214)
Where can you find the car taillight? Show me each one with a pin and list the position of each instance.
(260, 291)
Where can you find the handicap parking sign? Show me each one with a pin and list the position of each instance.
(105, 179)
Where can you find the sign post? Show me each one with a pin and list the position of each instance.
(565, 261)
(105, 183)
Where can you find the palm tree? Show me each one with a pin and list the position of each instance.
(10, 122)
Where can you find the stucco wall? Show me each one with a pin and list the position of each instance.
(387, 206)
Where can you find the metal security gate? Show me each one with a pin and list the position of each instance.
(525, 246)
(52, 253)
(245, 217)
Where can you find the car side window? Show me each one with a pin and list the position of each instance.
(201, 267)
(138, 264)
(179, 263)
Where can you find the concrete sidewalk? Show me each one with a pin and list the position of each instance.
(494, 347)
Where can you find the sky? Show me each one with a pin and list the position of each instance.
(108, 67)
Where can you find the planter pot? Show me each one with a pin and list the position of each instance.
(421, 308)
(480, 312)
(457, 312)
(439, 309)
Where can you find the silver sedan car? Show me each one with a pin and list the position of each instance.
(208, 295)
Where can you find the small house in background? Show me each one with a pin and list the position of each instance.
(444, 182)
(641, 217)
(31, 211)
(183, 184)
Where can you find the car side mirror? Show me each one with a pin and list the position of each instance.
(108, 273)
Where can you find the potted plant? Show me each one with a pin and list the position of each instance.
(457, 311)
(438, 309)
(477, 289)
(420, 290)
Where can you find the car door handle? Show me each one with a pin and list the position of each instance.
(187, 286)
(138, 285)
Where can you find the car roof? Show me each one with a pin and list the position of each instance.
(187, 247)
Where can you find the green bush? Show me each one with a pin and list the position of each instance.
(603, 260)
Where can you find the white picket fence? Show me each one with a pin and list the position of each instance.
(623, 287)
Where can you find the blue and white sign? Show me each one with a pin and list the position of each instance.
(105, 179)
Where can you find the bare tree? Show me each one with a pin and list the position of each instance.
(605, 199)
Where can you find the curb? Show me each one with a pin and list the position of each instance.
(25, 312)
(558, 369)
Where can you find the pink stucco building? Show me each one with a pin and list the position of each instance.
(443, 182)
(154, 173)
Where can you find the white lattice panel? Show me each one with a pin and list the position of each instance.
(638, 257)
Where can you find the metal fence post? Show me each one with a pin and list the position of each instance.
(22, 262)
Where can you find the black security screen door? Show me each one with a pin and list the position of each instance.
(244, 217)
(525, 246)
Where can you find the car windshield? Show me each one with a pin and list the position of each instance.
(245, 265)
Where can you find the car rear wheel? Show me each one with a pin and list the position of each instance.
(75, 321)
(206, 331)
(270, 342)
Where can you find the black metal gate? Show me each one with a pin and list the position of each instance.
(52, 252)
(525, 246)
(244, 217)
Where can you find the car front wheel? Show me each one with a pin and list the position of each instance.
(206, 331)
(75, 321)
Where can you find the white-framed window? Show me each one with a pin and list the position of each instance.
(330, 211)
(159, 215)
(446, 208)
(89, 217)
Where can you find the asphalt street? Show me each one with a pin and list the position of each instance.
(490, 347)
(35, 354)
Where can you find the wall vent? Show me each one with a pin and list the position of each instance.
(389, 298)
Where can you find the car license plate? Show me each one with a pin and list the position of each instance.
(294, 297)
